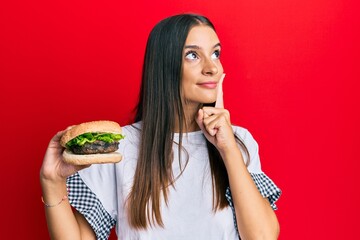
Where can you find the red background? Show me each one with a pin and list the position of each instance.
(292, 80)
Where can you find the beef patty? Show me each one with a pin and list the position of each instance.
(95, 147)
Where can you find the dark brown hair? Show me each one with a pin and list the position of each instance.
(159, 107)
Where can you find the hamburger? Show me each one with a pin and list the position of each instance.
(92, 142)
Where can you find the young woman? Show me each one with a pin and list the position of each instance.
(186, 173)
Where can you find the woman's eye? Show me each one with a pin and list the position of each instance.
(191, 55)
(216, 54)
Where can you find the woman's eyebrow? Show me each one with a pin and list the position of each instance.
(198, 47)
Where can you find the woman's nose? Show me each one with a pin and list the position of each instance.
(209, 67)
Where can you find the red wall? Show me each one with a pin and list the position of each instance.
(292, 80)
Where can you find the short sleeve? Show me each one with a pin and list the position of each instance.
(267, 188)
(254, 165)
(92, 192)
(87, 203)
(264, 184)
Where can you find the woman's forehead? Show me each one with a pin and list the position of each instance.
(202, 36)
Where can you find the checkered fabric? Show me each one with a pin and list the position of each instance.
(267, 188)
(86, 202)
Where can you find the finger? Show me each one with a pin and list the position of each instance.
(211, 124)
(211, 130)
(208, 120)
(205, 114)
(55, 141)
(219, 97)
(68, 169)
(58, 136)
(209, 111)
(200, 121)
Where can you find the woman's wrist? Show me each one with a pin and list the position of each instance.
(54, 193)
(53, 189)
(231, 156)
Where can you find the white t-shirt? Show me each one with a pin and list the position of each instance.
(189, 212)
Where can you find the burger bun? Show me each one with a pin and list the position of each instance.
(86, 159)
(102, 126)
(94, 126)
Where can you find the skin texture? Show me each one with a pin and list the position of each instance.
(202, 78)
(255, 218)
(201, 71)
(62, 223)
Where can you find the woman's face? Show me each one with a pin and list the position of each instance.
(201, 66)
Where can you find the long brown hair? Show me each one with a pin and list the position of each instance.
(159, 107)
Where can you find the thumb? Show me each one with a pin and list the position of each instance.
(200, 122)
(200, 119)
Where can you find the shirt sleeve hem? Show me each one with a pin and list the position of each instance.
(86, 203)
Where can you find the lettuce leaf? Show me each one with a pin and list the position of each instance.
(92, 137)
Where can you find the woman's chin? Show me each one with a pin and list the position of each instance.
(209, 100)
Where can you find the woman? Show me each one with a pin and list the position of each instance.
(181, 157)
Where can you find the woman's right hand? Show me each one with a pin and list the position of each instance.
(61, 221)
(54, 169)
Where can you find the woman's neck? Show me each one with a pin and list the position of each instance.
(189, 124)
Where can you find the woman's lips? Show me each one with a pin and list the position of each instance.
(209, 85)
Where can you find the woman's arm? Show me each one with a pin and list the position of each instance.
(254, 215)
(61, 220)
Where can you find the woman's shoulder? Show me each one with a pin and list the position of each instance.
(242, 133)
(252, 147)
(131, 131)
(129, 146)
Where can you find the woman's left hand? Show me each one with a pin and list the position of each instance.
(215, 123)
